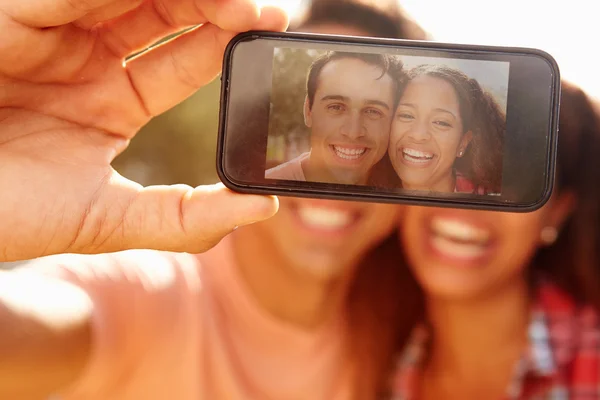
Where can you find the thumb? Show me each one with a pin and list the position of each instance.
(173, 218)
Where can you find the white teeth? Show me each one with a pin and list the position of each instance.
(456, 249)
(459, 231)
(349, 154)
(326, 218)
(416, 155)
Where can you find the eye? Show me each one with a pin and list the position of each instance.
(336, 108)
(443, 124)
(405, 116)
(374, 113)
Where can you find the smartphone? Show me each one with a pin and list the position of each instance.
(387, 120)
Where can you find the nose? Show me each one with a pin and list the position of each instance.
(419, 132)
(353, 127)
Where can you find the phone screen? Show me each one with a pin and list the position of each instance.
(407, 122)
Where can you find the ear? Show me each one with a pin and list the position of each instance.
(561, 207)
(464, 143)
(307, 113)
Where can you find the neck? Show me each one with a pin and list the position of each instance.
(478, 341)
(316, 171)
(288, 296)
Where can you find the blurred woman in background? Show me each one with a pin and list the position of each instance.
(507, 303)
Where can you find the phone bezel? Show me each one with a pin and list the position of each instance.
(341, 192)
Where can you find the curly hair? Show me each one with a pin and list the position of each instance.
(480, 114)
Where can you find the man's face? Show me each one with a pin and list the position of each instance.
(350, 121)
(321, 240)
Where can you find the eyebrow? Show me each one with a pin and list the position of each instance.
(435, 109)
(347, 99)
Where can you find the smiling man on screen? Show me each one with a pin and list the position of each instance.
(349, 105)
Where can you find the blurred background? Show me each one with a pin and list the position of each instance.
(179, 146)
(288, 135)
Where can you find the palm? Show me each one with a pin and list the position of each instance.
(69, 107)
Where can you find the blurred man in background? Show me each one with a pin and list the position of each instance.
(264, 314)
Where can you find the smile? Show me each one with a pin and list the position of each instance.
(459, 240)
(349, 153)
(325, 218)
(325, 224)
(416, 156)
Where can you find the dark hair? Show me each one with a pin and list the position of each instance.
(381, 18)
(384, 303)
(388, 64)
(572, 262)
(480, 114)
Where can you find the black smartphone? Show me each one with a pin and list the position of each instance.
(387, 120)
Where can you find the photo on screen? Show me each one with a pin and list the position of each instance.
(393, 121)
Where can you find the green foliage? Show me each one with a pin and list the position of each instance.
(286, 123)
(178, 146)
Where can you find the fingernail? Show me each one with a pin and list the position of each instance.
(267, 204)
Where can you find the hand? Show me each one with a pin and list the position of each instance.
(69, 105)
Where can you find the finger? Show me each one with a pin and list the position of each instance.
(33, 54)
(171, 218)
(68, 52)
(108, 12)
(156, 19)
(170, 73)
(224, 13)
(49, 13)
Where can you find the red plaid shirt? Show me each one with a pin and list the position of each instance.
(562, 361)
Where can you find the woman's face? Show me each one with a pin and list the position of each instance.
(427, 135)
(464, 254)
